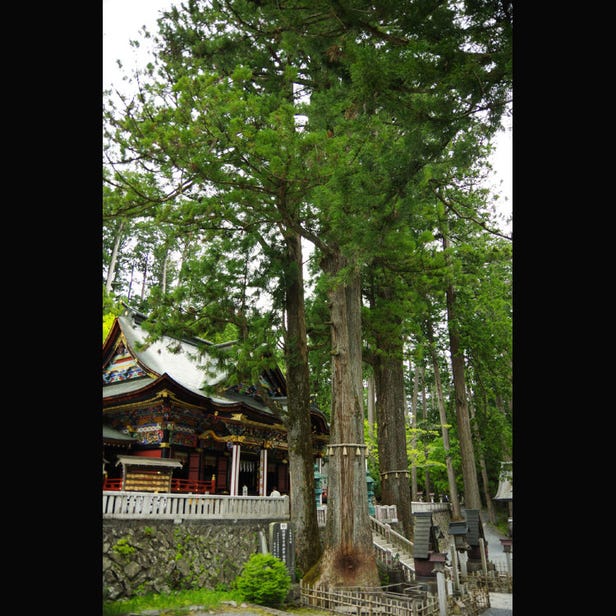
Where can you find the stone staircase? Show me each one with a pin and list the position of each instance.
(393, 549)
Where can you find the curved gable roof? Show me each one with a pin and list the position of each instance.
(183, 361)
(169, 361)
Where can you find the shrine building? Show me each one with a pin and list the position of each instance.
(165, 431)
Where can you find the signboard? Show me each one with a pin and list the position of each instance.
(282, 545)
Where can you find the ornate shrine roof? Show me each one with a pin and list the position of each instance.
(135, 371)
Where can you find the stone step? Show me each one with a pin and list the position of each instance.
(402, 555)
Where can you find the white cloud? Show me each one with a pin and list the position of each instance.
(122, 21)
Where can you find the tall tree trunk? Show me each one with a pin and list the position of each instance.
(391, 432)
(414, 496)
(348, 557)
(371, 396)
(424, 416)
(129, 291)
(482, 463)
(113, 262)
(451, 476)
(163, 274)
(146, 265)
(299, 430)
(472, 498)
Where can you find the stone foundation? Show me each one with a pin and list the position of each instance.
(159, 556)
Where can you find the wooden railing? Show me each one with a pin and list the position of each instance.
(361, 600)
(181, 486)
(187, 486)
(114, 484)
(150, 505)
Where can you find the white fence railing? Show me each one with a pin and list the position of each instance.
(149, 505)
(391, 536)
(135, 505)
(388, 514)
(386, 557)
(419, 506)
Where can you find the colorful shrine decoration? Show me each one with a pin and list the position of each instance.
(168, 400)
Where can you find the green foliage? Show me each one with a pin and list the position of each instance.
(395, 131)
(264, 580)
(108, 320)
(111, 309)
(177, 601)
(123, 547)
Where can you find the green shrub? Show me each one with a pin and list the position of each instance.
(264, 580)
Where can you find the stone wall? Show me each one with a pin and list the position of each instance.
(147, 556)
(141, 557)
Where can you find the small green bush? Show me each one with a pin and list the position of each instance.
(264, 580)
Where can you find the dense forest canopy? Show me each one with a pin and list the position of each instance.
(309, 180)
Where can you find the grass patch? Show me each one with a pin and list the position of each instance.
(174, 603)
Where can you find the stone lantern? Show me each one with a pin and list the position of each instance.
(458, 531)
(507, 545)
(318, 488)
(370, 484)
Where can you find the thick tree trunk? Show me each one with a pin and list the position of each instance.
(391, 422)
(348, 558)
(299, 430)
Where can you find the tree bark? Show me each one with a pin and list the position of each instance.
(371, 396)
(425, 438)
(348, 558)
(414, 496)
(451, 477)
(472, 498)
(113, 262)
(482, 464)
(299, 430)
(391, 432)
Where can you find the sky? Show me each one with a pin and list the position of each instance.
(122, 20)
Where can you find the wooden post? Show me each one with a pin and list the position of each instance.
(442, 593)
(263, 472)
(454, 564)
(482, 550)
(235, 470)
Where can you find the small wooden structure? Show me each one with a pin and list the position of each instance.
(425, 546)
(140, 474)
(504, 493)
(473, 535)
